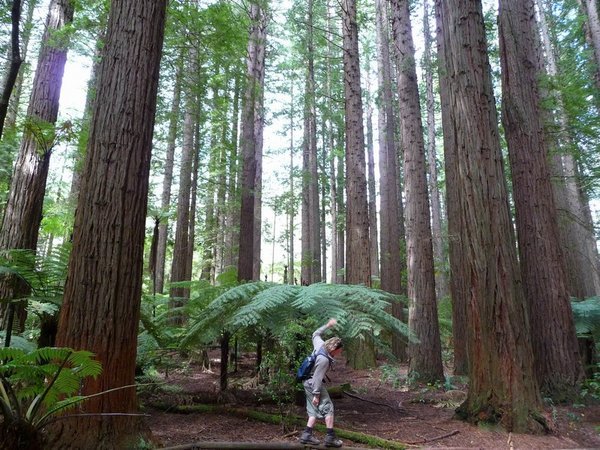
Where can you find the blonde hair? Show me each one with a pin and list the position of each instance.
(332, 344)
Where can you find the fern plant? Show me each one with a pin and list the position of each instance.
(359, 310)
(36, 386)
(586, 314)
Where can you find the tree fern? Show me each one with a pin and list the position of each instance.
(359, 310)
(586, 314)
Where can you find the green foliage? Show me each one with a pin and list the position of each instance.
(590, 388)
(359, 310)
(36, 386)
(586, 314)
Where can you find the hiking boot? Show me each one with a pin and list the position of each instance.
(308, 438)
(332, 441)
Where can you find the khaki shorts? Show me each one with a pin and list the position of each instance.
(325, 407)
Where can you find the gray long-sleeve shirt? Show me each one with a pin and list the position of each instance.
(322, 363)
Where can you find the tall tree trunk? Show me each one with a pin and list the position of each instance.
(441, 280)
(336, 262)
(557, 363)
(15, 100)
(502, 385)
(341, 214)
(15, 62)
(193, 202)
(311, 246)
(372, 189)
(251, 145)
(165, 202)
(358, 255)
(292, 202)
(179, 268)
(425, 356)
(578, 241)
(101, 305)
(392, 265)
(232, 220)
(23, 213)
(590, 10)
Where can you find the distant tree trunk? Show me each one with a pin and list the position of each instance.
(15, 62)
(441, 280)
(557, 364)
(193, 202)
(23, 213)
(358, 257)
(251, 145)
(392, 264)
(502, 385)
(179, 267)
(341, 214)
(578, 241)
(322, 207)
(165, 203)
(221, 210)
(210, 220)
(291, 204)
(590, 11)
(425, 356)
(336, 262)
(311, 244)
(372, 191)
(232, 220)
(101, 306)
(15, 100)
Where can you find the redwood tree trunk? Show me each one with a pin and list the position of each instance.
(101, 305)
(251, 145)
(441, 279)
(392, 263)
(311, 243)
(165, 201)
(425, 356)
(502, 385)
(23, 213)
(358, 258)
(15, 63)
(179, 267)
(557, 363)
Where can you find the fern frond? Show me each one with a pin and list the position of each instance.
(586, 315)
(280, 297)
(218, 313)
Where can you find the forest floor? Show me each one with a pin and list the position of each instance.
(416, 417)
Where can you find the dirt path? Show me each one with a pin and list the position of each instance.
(420, 418)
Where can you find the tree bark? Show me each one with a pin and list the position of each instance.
(502, 385)
(425, 356)
(23, 213)
(358, 258)
(557, 363)
(165, 202)
(101, 305)
(441, 280)
(15, 62)
(179, 267)
(372, 190)
(251, 145)
(392, 265)
(311, 242)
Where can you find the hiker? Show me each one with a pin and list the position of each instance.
(318, 402)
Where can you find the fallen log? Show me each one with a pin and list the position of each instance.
(253, 445)
(354, 436)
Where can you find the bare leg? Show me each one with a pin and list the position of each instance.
(312, 420)
(329, 421)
